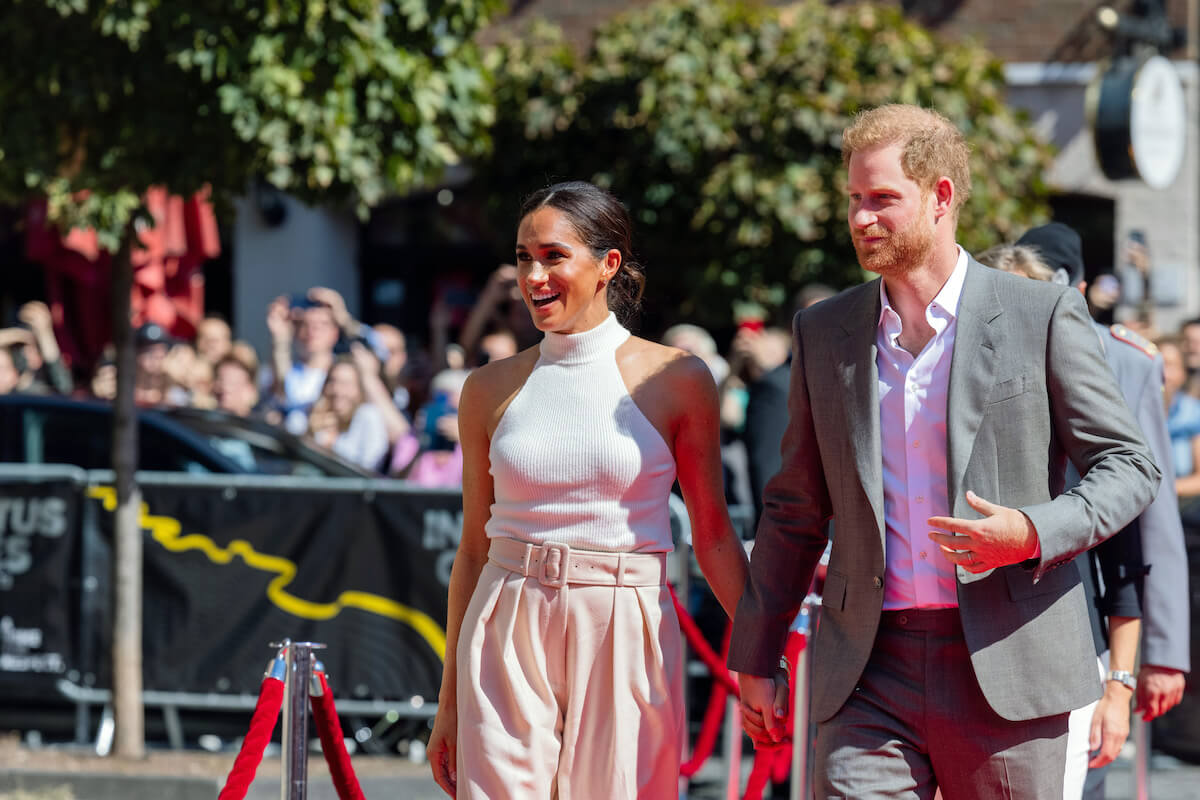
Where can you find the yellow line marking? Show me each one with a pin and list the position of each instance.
(168, 532)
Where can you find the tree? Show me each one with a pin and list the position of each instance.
(718, 122)
(330, 100)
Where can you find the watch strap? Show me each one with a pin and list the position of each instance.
(1123, 677)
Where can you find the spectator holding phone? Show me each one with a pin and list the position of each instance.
(303, 335)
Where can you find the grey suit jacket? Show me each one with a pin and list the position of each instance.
(1165, 612)
(1027, 390)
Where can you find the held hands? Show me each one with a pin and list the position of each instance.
(1003, 536)
(1159, 689)
(764, 707)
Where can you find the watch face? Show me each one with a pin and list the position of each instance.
(1157, 122)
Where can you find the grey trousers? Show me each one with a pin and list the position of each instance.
(917, 721)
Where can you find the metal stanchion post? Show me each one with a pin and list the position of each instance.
(299, 675)
(1141, 738)
(733, 747)
(800, 702)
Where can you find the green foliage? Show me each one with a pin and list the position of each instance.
(331, 100)
(719, 123)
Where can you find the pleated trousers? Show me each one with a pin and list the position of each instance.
(568, 692)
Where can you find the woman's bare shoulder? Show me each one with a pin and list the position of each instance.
(678, 367)
(494, 384)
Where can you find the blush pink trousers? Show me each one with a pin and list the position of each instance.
(570, 678)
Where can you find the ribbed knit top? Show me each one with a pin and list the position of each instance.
(574, 460)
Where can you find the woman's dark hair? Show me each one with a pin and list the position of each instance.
(603, 224)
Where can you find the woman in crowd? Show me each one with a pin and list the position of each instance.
(1183, 422)
(343, 421)
(563, 669)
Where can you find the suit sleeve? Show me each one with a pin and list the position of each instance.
(1165, 612)
(1092, 422)
(791, 536)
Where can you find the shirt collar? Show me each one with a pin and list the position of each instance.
(946, 299)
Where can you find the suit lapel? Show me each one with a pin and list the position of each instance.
(860, 382)
(971, 378)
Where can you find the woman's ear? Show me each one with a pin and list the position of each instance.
(611, 265)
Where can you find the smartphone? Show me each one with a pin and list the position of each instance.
(302, 301)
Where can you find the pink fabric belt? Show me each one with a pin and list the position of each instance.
(557, 565)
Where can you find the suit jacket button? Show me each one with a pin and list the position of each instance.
(878, 582)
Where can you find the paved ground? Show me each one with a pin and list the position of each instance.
(385, 778)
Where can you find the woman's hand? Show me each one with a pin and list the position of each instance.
(443, 749)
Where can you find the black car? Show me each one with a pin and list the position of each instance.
(46, 429)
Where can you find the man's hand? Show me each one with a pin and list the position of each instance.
(1110, 725)
(279, 321)
(337, 305)
(1004, 536)
(764, 707)
(1159, 689)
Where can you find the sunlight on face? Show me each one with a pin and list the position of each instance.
(560, 279)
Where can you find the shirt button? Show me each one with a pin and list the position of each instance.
(923, 555)
(878, 582)
(920, 498)
(916, 445)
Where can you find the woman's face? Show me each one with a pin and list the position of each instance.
(343, 391)
(1174, 375)
(562, 283)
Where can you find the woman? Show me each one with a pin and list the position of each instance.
(1183, 422)
(342, 420)
(560, 681)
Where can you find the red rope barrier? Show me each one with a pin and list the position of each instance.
(691, 632)
(713, 714)
(262, 724)
(333, 745)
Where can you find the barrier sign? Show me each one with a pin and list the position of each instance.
(229, 569)
(39, 530)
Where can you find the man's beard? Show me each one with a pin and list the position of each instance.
(899, 252)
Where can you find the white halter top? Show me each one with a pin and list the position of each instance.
(574, 460)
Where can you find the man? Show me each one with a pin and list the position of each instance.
(1158, 530)
(931, 416)
(296, 381)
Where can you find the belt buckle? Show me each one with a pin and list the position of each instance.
(552, 571)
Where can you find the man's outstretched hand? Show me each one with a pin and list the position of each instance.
(1003, 536)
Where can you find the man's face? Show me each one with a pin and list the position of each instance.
(316, 332)
(891, 217)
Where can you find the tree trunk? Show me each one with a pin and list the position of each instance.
(128, 712)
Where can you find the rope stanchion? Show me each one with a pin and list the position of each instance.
(333, 745)
(771, 763)
(262, 725)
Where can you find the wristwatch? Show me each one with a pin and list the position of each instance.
(1123, 677)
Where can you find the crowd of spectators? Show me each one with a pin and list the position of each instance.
(369, 394)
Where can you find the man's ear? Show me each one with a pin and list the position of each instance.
(943, 196)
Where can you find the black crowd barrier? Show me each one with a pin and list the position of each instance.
(230, 564)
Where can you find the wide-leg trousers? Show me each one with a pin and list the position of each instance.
(568, 691)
